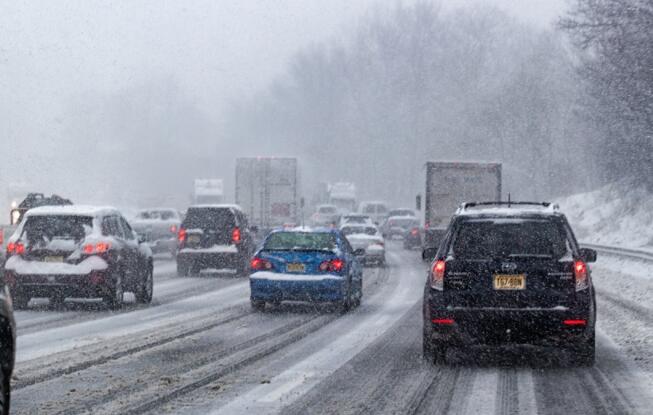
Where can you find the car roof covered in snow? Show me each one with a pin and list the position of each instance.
(73, 210)
(216, 206)
(505, 209)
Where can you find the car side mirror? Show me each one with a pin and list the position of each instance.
(428, 254)
(359, 252)
(587, 254)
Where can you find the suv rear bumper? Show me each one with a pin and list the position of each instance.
(93, 285)
(492, 326)
(203, 260)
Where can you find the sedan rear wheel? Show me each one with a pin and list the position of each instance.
(144, 292)
(115, 299)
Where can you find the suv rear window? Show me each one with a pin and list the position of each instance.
(509, 238)
(209, 218)
(327, 209)
(298, 241)
(43, 229)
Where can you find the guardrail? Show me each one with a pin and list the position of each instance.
(639, 254)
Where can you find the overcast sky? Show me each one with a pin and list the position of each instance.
(53, 52)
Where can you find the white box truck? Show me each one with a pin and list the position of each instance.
(266, 190)
(208, 191)
(448, 184)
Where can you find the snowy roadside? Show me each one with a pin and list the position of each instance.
(617, 214)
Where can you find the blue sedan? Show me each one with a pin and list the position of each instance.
(316, 265)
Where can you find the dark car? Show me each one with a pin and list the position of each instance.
(397, 226)
(77, 251)
(510, 274)
(214, 237)
(413, 237)
(7, 347)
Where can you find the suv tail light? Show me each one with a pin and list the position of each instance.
(173, 229)
(2, 236)
(334, 265)
(414, 231)
(98, 248)
(235, 235)
(437, 274)
(181, 236)
(259, 264)
(15, 248)
(580, 273)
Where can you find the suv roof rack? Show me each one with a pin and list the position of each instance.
(546, 205)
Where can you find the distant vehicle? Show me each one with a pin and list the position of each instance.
(401, 212)
(266, 189)
(214, 237)
(397, 226)
(325, 215)
(448, 184)
(77, 251)
(35, 200)
(355, 219)
(7, 347)
(208, 191)
(158, 227)
(343, 196)
(369, 239)
(306, 265)
(376, 210)
(413, 237)
(510, 274)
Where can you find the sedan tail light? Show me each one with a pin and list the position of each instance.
(334, 265)
(235, 236)
(181, 236)
(580, 273)
(437, 274)
(260, 264)
(98, 248)
(15, 248)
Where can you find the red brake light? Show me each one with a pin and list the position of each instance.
(414, 232)
(437, 274)
(181, 236)
(259, 264)
(173, 229)
(11, 248)
(334, 265)
(235, 235)
(580, 273)
(576, 322)
(443, 321)
(15, 248)
(2, 236)
(99, 248)
(20, 249)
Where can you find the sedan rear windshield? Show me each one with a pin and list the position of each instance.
(209, 218)
(300, 241)
(402, 222)
(44, 229)
(157, 215)
(491, 239)
(351, 230)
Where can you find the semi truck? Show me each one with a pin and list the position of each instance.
(448, 184)
(267, 189)
(208, 191)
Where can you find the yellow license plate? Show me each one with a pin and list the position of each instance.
(510, 282)
(193, 239)
(53, 259)
(295, 267)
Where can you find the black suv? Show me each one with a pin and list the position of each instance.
(214, 237)
(509, 274)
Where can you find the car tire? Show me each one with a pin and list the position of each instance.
(20, 301)
(439, 354)
(359, 295)
(243, 269)
(5, 392)
(258, 305)
(114, 299)
(346, 303)
(145, 289)
(427, 349)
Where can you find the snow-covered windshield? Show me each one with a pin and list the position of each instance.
(298, 241)
(40, 230)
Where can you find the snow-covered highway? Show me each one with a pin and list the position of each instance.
(200, 349)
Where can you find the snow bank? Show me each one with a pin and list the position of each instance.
(617, 214)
